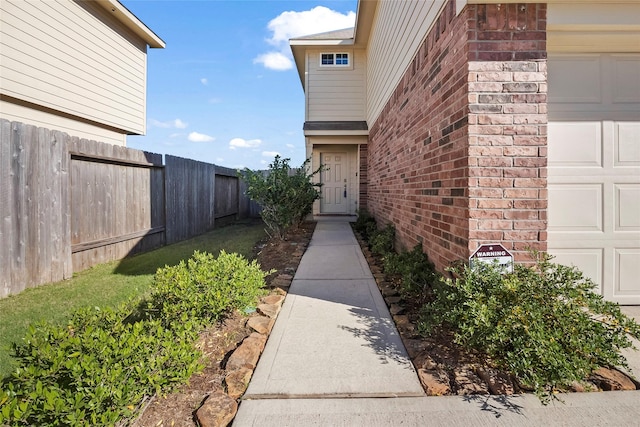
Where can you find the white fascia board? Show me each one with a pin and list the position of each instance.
(346, 42)
(122, 14)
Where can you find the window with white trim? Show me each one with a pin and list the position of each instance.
(334, 60)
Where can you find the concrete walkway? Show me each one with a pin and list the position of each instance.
(335, 358)
(334, 336)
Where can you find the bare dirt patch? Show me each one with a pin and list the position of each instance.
(219, 341)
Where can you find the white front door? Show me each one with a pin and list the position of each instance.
(334, 183)
(594, 169)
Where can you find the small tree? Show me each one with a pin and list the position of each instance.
(286, 195)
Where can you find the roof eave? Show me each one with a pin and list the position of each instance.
(122, 14)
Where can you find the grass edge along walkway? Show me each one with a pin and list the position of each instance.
(109, 284)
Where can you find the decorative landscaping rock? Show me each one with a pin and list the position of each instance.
(424, 361)
(434, 381)
(261, 324)
(375, 269)
(582, 387)
(468, 383)
(237, 382)
(273, 299)
(217, 411)
(269, 310)
(393, 299)
(388, 290)
(414, 348)
(402, 322)
(396, 309)
(248, 353)
(611, 379)
(498, 382)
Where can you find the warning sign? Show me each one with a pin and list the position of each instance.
(490, 254)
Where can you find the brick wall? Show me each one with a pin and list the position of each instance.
(507, 126)
(362, 174)
(418, 173)
(507, 155)
(458, 155)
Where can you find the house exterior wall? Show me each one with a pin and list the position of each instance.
(22, 112)
(400, 29)
(336, 93)
(508, 126)
(417, 166)
(73, 59)
(457, 156)
(597, 27)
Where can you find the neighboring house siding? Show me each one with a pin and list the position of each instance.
(72, 57)
(399, 30)
(25, 113)
(335, 93)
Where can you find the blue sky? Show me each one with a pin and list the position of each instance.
(225, 89)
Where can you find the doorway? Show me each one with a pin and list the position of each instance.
(335, 197)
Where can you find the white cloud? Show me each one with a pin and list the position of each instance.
(204, 81)
(291, 146)
(177, 124)
(274, 61)
(200, 137)
(270, 153)
(215, 100)
(320, 19)
(244, 143)
(292, 24)
(219, 159)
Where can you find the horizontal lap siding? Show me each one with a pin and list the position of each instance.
(402, 28)
(73, 58)
(335, 93)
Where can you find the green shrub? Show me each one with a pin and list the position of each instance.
(417, 273)
(382, 241)
(365, 224)
(100, 367)
(205, 288)
(285, 195)
(96, 370)
(544, 324)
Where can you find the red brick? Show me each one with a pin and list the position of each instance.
(517, 151)
(483, 147)
(495, 225)
(520, 193)
(521, 215)
(530, 182)
(494, 204)
(529, 225)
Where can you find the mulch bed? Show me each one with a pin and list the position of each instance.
(219, 341)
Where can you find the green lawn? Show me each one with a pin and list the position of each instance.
(110, 284)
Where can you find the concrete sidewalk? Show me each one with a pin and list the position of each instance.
(334, 336)
(335, 358)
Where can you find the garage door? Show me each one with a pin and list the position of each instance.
(594, 169)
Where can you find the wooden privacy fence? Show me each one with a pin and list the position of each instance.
(67, 203)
